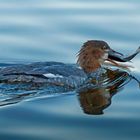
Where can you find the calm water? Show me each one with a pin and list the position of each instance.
(44, 30)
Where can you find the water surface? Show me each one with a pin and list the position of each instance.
(54, 30)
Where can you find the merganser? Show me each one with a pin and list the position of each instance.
(92, 57)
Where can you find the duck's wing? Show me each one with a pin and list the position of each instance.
(44, 68)
(32, 68)
(43, 72)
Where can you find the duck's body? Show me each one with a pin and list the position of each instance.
(38, 73)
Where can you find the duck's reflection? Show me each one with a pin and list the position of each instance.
(94, 100)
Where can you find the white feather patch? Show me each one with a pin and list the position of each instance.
(50, 75)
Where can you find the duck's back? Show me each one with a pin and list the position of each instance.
(43, 72)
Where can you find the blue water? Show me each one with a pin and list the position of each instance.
(54, 30)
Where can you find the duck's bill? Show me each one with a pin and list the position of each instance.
(115, 52)
(119, 57)
(114, 55)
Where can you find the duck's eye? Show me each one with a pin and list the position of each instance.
(104, 47)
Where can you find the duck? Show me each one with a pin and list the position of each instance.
(92, 60)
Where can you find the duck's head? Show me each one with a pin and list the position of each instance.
(93, 54)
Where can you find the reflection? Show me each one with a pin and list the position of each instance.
(94, 100)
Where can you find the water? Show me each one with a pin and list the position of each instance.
(54, 30)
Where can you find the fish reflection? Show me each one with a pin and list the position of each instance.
(94, 100)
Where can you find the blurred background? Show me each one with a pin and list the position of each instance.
(54, 30)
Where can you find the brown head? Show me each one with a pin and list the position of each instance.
(92, 55)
